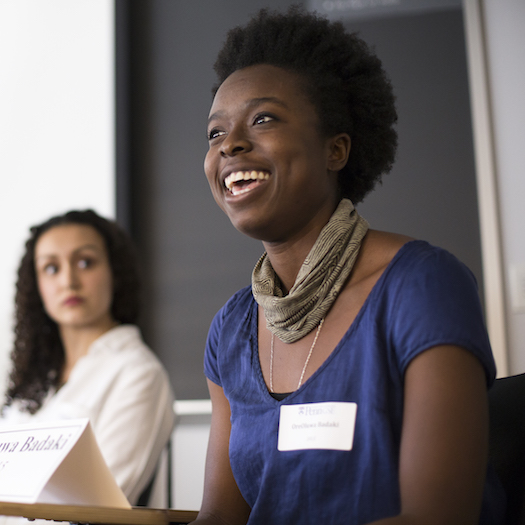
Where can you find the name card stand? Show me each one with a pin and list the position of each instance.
(56, 462)
(55, 471)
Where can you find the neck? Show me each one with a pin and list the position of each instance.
(288, 256)
(76, 342)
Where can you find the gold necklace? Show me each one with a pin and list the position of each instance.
(305, 363)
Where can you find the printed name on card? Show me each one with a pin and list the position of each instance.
(328, 425)
(57, 462)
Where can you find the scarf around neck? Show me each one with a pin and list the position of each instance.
(319, 281)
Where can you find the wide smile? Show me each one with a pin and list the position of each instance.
(240, 182)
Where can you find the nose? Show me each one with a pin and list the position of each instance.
(71, 279)
(235, 143)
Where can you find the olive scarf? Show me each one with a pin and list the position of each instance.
(320, 279)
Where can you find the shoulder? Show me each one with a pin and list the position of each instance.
(415, 272)
(230, 324)
(125, 338)
(239, 302)
(428, 298)
(123, 351)
(377, 250)
(232, 316)
(399, 256)
(419, 263)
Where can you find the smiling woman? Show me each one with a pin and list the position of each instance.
(265, 132)
(78, 353)
(349, 381)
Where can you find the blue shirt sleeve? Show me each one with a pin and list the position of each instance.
(223, 330)
(434, 301)
(211, 369)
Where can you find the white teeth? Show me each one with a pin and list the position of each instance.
(232, 178)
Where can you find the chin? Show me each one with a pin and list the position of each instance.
(249, 224)
(254, 231)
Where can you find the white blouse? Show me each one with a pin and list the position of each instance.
(124, 390)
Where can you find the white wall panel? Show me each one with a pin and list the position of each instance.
(56, 123)
(505, 44)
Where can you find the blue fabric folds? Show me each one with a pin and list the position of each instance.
(425, 298)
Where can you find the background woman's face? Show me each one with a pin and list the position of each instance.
(74, 276)
(267, 163)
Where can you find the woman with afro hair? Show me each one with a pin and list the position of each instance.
(349, 381)
(77, 352)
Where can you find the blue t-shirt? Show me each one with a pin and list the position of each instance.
(424, 298)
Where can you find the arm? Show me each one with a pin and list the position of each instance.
(135, 424)
(444, 444)
(222, 502)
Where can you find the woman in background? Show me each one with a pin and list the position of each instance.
(77, 351)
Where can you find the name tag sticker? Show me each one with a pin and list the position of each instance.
(327, 426)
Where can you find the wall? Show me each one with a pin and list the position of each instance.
(56, 123)
(504, 22)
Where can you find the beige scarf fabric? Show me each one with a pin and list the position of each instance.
(319, 281)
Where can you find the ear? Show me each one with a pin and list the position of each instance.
(339, 150)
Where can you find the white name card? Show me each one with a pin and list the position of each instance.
(328, 426)
(57, 462)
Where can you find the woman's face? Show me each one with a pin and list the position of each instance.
(74, 276)
(268, 166)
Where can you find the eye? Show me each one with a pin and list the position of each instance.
(85, 263)
(263, 118)
(214, 133)
(50, 269)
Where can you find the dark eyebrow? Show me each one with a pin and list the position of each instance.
(254, 102)
(87, 246)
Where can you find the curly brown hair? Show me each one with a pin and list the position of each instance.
(343, 78)
(38, 354)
